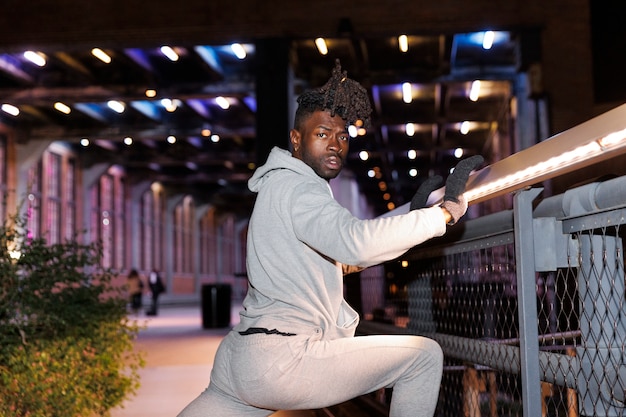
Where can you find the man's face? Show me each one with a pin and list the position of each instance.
(321, 143)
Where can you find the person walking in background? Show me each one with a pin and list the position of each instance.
(135, 290)
(155, 283)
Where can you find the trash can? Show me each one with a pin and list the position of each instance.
(216, 305)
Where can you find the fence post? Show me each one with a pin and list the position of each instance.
(527, 304)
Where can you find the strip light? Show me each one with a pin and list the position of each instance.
(589, 143)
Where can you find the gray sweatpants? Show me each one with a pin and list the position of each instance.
(254, 375)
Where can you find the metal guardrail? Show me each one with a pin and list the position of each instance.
(529, 304)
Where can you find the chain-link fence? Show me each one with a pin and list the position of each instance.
(528, 305)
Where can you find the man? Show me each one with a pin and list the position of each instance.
(294, 346)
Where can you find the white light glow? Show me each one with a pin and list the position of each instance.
(215, 138)
(84, 142)
(10, 109)
(465, 127)
(238, 50)
(475, 90)
(413, 172)
(116, 106)
(403, 43)
(407, 92)
(62, 107)
(458, 153)
(488, 39)
(170, 105)
(364, 155)
(353, 131)
(409, 128)
(321, 46)
(550, 165)
(36, 58)
(101, 55)
(222, 102)
(411, 154)
(612, 139)
(171, 139)
(128, 140)
(371, 173)
(170, 53)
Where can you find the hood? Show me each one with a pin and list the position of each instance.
(279, 159)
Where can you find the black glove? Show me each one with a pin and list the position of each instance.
(456, 182)
(453, 199)
(420, 198)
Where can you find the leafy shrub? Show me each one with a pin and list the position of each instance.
(66, 342)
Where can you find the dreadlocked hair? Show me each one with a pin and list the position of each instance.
(340, 95)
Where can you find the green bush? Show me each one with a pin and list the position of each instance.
(66, 344)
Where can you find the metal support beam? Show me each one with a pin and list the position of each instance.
(527, 296)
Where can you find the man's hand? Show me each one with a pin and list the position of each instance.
(453, 200)
(420, 198)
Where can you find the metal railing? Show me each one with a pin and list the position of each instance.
(529, 304)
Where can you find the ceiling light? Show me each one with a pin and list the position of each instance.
(407, 92)
(171, 139)
(353, 131)
(458, 153)
(411, 154)
(36, 58)
(101, 55)
(151, 93)
(128, 140)
(364, 155)
(413, 172)
(474, 90)
(371, 173)
(84, 142)
(238, 50)
(403, 43)
(409, 128)
(206, 132)
(116, 106)
(169, 53)
(488, 39)
(465, 127)
(63, 108)
(222, 102)
(321, 46)
(169, 104)
(10, 109)
(215, 138)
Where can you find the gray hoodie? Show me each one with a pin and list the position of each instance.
(298, 239)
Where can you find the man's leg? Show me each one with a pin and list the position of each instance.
(213, 403)
(351, 367)
(313, 374)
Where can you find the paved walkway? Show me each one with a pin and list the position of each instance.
(179, 356)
